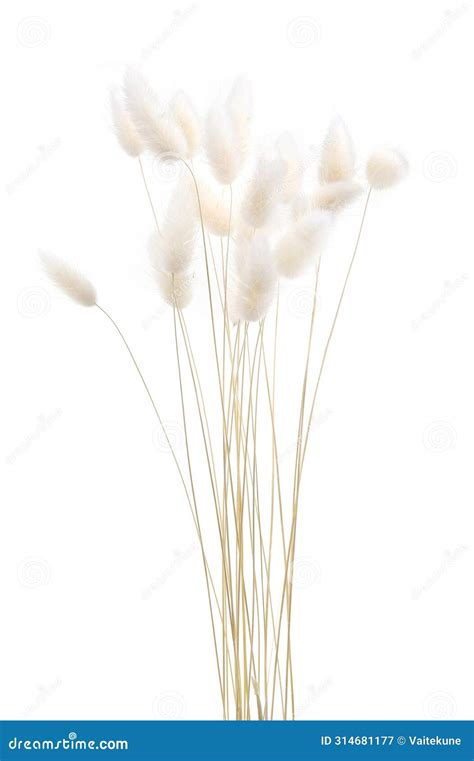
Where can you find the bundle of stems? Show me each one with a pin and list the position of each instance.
(246, 231)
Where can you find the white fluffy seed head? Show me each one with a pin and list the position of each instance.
(153, 122)
(172, 248)
(385, 167)
(222, 146)
(228, 131)
(263, 192)
(69, 280)
(302, 244)
(300, 206)
(187, 119)
(337, 161)
(239, 107)
(124, 128)
(290, 155)
(215, 207)
(253, 280)
(279, 218)
(176, 290)
(335, 195)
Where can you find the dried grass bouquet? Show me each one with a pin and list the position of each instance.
(237, 224)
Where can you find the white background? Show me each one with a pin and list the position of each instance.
(92, 515)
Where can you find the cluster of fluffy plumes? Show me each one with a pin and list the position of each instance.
(280, 218)
(143, 119)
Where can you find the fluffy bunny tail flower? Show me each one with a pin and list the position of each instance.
(336, 195)
(153, 122)
(337, 161)
(124, 128)
(302, 244)
(71, 282)
(385, 167)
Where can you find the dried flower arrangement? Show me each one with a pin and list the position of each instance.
(247, 230)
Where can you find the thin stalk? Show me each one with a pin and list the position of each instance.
(205, 428)
(148, 194)
(191, 478)
(328, 342)
(272, 510)
(225, 517)
(308, 426)
(209, 580)
(289, 591)
(152, 402)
